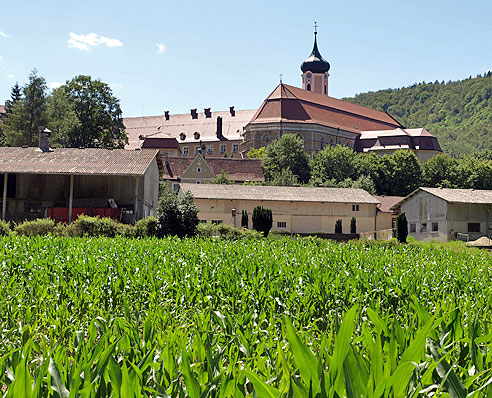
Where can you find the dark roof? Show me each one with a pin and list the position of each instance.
(160, 143)
(275, 193)
(237, 169)
(315, 62)
(399, 138)
(291, 104)
(90, 161)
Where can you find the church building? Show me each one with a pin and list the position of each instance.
(308, 112)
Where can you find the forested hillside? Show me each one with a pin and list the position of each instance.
(458, 113)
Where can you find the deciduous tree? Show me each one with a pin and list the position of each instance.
(286, 153)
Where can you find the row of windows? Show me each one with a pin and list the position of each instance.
(424, 227)
(210, 149)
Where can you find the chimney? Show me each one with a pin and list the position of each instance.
(208, 113)
(44, 139)
(233, 112)
(219, 128)
(166, 115)
(194, 113)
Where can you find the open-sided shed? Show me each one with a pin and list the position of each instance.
(65, 182)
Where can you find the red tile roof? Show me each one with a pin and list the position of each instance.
(239, 170)
(387, 202)
(291, 104)
(160, 143)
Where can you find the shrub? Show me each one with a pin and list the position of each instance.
(262, 220)
(226, 231)
(146, 227)
(177, 216)
(244, 219)
(353, 226)
(338, 226)
(41, 226)
(4, 228)
(126, 230)
(401, 228)
(93, 226)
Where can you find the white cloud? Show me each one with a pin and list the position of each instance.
(5, 35)
(160, 48)
(54, 85)
(85, 42)
(1, 58)
(10, 75)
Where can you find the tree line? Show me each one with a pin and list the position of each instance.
(81, 113)
(286, 163)
(459, 113)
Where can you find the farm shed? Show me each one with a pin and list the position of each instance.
(295, 209)
(63, 183)
(447, 214)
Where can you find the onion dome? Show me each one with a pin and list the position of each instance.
(315, 63)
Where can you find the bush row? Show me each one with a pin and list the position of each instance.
(96, 226)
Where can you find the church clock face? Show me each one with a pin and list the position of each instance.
(309, 75)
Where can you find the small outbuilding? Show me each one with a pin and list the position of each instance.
(445, 214)
(295, 209)
(63, 183)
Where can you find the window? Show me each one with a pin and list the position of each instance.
(393, 224)
(202, 221)
(197, 149)
(182, 136)
(185, 151)
(423, 228)
(281, 224)
(413, 227)
(473, 227)
(196, 135)
(308, 87)
(325, 90)
(175, 187)
(216, 222)
(11, 185)
(222, 148)
(235, 148)
(198, 169)
(198, 182)
(210, 149)
(435, 227)
(355, 207)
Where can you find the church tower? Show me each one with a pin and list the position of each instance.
(315, 71)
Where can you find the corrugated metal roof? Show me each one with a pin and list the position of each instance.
(274, 193)
(91, 161)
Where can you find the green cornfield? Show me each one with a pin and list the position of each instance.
(101, 317)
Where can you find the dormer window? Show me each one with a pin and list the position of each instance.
(182, 136)
(196, 135)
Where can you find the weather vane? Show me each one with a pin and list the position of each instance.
(315, 27)
(281, 78)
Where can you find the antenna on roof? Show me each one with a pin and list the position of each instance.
(281, 78)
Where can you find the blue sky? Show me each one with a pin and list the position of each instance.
(177, 55)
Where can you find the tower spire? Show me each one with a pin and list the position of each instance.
(315, 69)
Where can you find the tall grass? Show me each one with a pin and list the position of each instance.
(211, 318)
